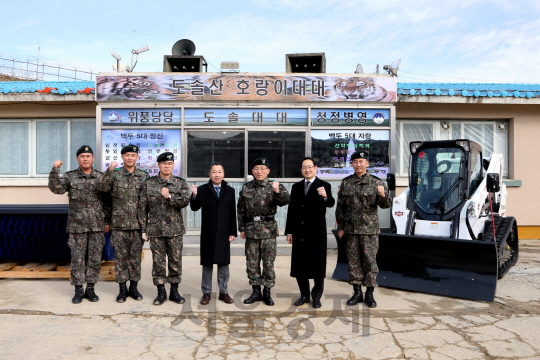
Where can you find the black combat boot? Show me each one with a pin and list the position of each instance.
(90, 294)
(370, 301)
(266, 297)
(123, 293)
(133, 292)
(357, 296)
(255, 295)
(161, 295)
(175, 296)
(79, 293)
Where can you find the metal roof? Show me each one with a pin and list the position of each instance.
(54, 87)
(470, 89)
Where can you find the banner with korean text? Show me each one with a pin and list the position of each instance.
(142, 117)
(237, 87)
(332, 150)
(151, 143)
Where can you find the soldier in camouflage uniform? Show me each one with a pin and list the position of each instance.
(357, 220)
(161, 201)
(257, 205)
(125, 185)
(89, 216)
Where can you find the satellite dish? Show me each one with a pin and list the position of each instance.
(183, 47)
(394, 68)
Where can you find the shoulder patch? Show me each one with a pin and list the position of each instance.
(143, 170)
(248, 182)
(271, 180)
(178, 177)
(151, 177)
(117, 169)
(376, 177)
(348, 177)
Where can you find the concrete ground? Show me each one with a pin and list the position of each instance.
(38, 321)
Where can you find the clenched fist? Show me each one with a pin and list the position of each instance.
(165, 192)
(380, 190)
(275, 185)
(194, 190)
(58, 163)
(321, 191)
(113, 166)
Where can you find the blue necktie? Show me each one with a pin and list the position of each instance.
(217, 191)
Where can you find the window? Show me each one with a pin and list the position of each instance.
(284, 151)
(14, 148)
(33, 145)
(487, 133)
(206, 147)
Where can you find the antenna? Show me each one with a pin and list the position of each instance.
(137, 52)
(118, 66)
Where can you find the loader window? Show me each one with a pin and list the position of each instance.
(437, 174)
(476, 171)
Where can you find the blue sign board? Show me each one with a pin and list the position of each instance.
(140, 117)
(353, 117)
(254, 116)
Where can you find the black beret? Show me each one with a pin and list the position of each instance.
(360, 155)
(259, 161)
(166, 156)
(129, 148)
(85, 149)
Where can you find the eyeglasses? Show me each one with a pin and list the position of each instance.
(168, 163)
(307, 167)
(259, 169)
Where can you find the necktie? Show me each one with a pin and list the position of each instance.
(306, 189)
(217, 191)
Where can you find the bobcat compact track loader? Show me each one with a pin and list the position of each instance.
(451, 235)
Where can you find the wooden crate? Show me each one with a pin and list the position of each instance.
(19, 270)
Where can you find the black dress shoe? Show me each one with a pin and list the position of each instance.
(316, 303)
(303, 300)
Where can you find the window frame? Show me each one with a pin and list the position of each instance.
(32, 146)
(440, 134)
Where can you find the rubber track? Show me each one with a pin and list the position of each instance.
(503, 228)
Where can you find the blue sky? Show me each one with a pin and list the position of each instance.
(448, 41)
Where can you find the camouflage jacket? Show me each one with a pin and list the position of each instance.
(356, 210)
(160, 217)
(258, 198)
(125, 188)
(89, 208)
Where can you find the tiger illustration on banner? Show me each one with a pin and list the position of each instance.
(253, 87)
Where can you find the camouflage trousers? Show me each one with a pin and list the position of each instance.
(86, 250)
(127, 246)
(362, 258)
(166, 250)
(257, 250)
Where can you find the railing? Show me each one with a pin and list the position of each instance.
(40, 71)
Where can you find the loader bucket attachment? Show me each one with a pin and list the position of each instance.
(449, 267)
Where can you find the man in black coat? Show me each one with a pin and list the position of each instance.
(306, 231)
(218, 229)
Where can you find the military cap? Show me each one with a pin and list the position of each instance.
(129, 148)
(85, 149)
(360, 155)
(259, 161)
(166, 156)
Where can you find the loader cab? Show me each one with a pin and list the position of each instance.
(443, 175)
